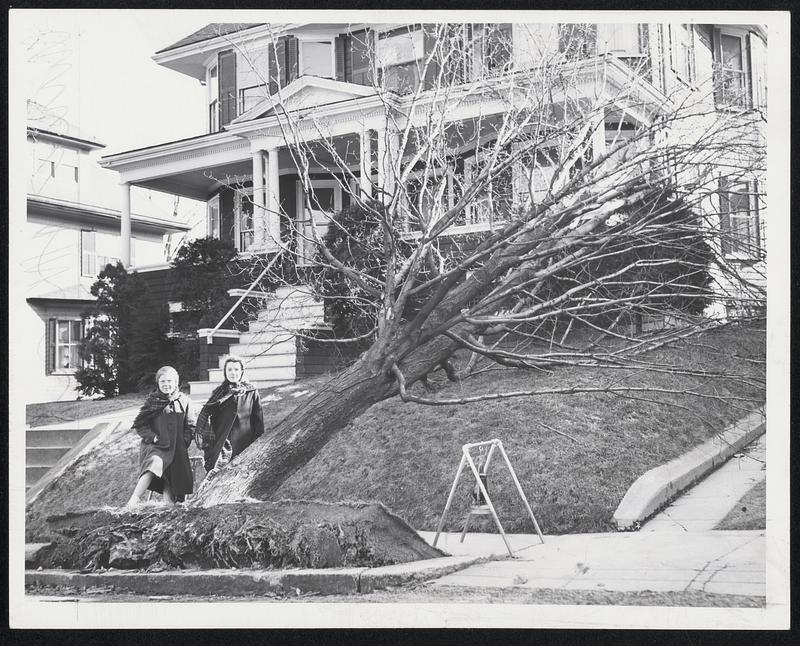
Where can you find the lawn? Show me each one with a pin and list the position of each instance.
(575, 456)
(68, 411)
(750, 512)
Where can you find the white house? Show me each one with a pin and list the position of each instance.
(345, 75)
(67, 240)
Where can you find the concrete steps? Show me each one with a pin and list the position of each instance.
(268, 348)
(46, 446)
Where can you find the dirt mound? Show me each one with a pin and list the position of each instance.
(242, 535)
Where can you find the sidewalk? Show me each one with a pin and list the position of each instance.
(86, 423)
(707, 503)
(731, 562)
(675, 551)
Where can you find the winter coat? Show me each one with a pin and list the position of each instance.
(236, 419)
(164, 449)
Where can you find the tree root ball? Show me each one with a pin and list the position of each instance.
(265, 535)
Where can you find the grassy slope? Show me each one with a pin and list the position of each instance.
(405, 455)
(750, 512)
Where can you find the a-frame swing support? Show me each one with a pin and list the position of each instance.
(466, 459)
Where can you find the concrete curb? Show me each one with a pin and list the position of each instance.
(660, 485)
(246, 582)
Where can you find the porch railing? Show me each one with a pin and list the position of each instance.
(245, 294)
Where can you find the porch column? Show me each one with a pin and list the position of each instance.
(259, 216)
(273, 225)
(365, 179)
(125, 225)
(388, 144)
(599, 137)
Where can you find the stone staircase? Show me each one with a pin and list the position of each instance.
(269, 348)
(46, 446)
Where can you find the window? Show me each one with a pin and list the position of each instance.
(213, 99)
(535, 176)
(399, 52)
(619, 39)
(731, 84)
(64, 339)
(213, 218)
(93, 263)
(316, 58)
(244, 223)
(682, 51)
(740, 220)
(251, 96)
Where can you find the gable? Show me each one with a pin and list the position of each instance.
(307, 92)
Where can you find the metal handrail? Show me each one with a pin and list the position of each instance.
(210, 335)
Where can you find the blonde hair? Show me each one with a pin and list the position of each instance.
(164, 370)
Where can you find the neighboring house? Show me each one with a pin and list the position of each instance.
(329, 73)
(67, 240)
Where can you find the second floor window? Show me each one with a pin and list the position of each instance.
(731, 83)
(399, 54)
(92, 263)
(213, 100)
(317, 58)
(682, 51)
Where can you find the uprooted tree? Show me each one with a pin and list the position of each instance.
(513, 204)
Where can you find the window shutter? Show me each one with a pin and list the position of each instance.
(716, 50)
(361, 57)
(292, 59)
(280, 54)
(341, 49)
(429, 39)
(50, 346)
(751, 72)
(272, 65)
(226, 66)
(724, 216)
(755, 215)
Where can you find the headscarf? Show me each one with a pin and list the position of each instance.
(156, 401)
(204, 434)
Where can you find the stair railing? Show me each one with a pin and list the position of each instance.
(210, 335)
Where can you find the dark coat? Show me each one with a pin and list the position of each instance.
(164, 448)
(239, 420)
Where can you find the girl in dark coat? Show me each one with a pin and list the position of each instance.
(231, 419)
(166, 424)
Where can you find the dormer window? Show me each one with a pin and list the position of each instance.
(317, 58)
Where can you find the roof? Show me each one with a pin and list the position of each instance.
(47, 122)
(100, 213)
(213, 30)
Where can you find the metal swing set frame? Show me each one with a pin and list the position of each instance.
(466, 459)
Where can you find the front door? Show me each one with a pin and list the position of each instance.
(325, 200)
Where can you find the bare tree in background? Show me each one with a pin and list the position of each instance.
(537, 231)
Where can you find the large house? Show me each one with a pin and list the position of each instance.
(347, 86)
(68, 238)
